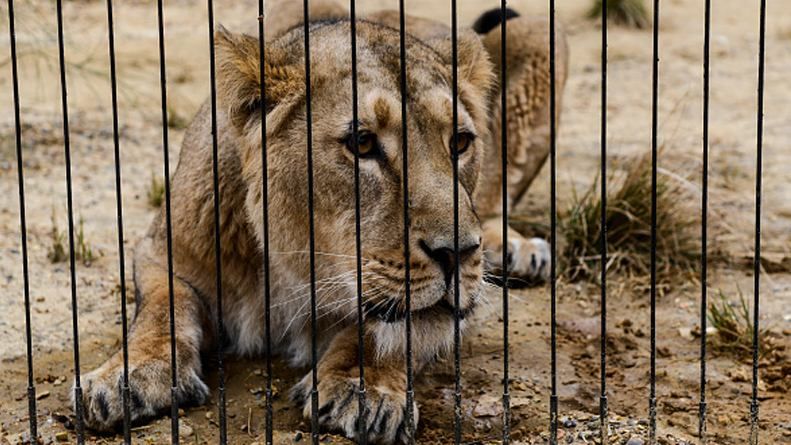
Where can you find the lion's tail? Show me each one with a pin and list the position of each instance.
(491, 19)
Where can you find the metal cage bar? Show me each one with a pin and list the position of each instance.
(410, 389)
(553, 374)
(265, 215)
(31, 384)
(217, 231)
(78, 408)
(125, 392)
(457, 413)
(654, 162)
(504, 167)
(174, 402)
(754, 426)
(362, 434)
(314, 393)
(603, 404)
(702, 434)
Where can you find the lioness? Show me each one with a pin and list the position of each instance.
(379, 139)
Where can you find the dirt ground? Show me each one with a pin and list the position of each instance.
(733, 134)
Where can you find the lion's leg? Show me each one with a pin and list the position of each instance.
(149, 356)
(528, 133)
(338, 374)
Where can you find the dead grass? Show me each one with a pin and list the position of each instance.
(155, 192)
(629, 227)
(177, 120)
(631, 13)
(734, 324)
(84, 251)
(57, 252)
(85, 64)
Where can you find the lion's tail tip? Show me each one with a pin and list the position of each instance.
(491, 19)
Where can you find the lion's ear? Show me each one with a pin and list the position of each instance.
(239, 79)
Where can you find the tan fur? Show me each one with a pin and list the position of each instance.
(242, 235)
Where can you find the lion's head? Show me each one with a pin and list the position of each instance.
(430, 162)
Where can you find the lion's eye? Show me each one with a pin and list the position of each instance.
(367, 143)
(463, 141)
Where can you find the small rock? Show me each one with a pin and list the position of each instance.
(488, 406)
(520, 401)
(62, 436)
(42, 395)
(569, 423)
(298, 436)
(185, 430)
(635, 441)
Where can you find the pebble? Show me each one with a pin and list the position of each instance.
(569, 423)
(62, 436)
(185, 430)
(635, 441)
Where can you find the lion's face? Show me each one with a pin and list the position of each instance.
(380, 143)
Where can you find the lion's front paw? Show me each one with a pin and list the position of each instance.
(527, 263)
(102, 399)
(149, 393)
(530, 259)
(339, 408)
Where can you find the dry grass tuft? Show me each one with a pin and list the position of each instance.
(57, 251)
(734, 325)
(629, 227)
(177, 120)
(83, 251)
(155, 192)
(631, 13)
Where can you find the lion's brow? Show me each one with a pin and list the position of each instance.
(382, 111)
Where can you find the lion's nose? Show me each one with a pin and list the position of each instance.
(444, 255)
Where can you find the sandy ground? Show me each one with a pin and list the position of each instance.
(734, 49)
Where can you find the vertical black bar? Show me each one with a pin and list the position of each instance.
(553, 398)
(174, 402)
(31, 386)
(362, 431)
(654, 161)
(757, 257)
(72, 263)
(703, 228)
(410, 389)
(603, 409)
(265, 211)
(504, 167)
(456, 291)
(217, 230)
(125, 394)
(314, 393)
